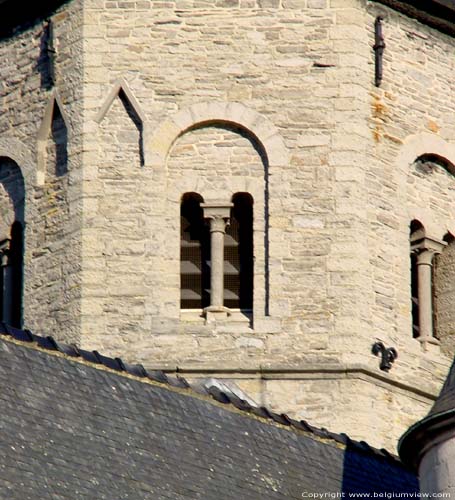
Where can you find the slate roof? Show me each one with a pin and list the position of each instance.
(77, 425)
(446, 399)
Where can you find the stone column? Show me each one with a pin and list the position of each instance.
(424, 277)
(218, 214)
(426, 249)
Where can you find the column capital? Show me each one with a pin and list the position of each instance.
(218, 213)
(426, 248)
(217, 210)
(425, 257)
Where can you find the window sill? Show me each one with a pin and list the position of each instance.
(431, 344)
(198, 316)
(239, 321)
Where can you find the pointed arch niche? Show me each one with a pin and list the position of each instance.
(127, 121)
(52, 148)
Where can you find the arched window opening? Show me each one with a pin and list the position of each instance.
(12, 204)
(216, 254)
(11, 276)
(238, 254)
(194, 254)
(423, 251)
(427, 163)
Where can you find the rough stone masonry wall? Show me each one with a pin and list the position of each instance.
(338, 229)
(444, 283)
(285, 64)
(172, 59)
(119, 262)
(52, 257)
(410, 112)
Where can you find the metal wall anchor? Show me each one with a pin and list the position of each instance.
(378, 48)
(388, 355)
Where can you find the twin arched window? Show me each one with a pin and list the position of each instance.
(196, 254)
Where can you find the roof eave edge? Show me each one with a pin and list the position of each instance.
(420, 437)
(428, 15)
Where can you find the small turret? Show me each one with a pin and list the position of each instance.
(429, 445)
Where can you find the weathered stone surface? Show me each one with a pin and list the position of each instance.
(51, 211)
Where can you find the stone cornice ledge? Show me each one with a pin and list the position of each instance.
(359, 371)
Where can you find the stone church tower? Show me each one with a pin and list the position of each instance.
(253, 190)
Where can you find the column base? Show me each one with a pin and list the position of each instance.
(214, 314)
(426, 342)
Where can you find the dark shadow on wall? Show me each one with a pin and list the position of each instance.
(137, 123)
(266, 235)
(46, 61)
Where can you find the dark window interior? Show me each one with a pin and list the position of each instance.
(238, 254)
(194, 254)
(414, 297)
(11, 278)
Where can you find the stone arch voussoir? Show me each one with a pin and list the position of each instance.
(18, 152)
(233, 113)
(414, 147)
(419, 145)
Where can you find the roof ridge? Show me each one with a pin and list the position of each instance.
(138, 370)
